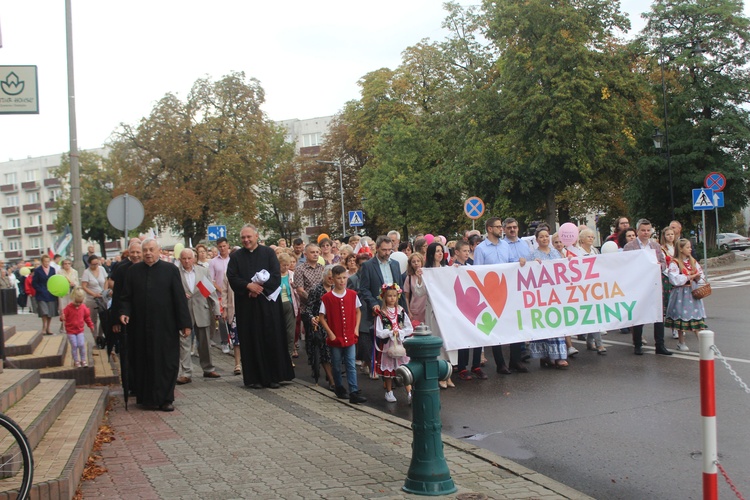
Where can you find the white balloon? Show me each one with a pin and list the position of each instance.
(609, 247)
(402, 260)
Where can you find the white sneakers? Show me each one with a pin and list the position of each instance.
(675, 335)
(572, 351)
(225, 348)
(390, 397)
(682, 346)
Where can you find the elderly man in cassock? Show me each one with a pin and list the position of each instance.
(155, 308)
(265, 358)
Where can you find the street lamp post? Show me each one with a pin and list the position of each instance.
(341, 186)
(666, 135)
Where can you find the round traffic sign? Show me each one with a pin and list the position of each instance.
(125, 212)
(715, 181)
(474, 207)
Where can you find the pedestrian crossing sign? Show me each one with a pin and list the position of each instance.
(356, 219)
(703, 199)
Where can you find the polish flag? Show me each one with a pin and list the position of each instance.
(206, 287)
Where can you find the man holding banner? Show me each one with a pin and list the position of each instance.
(494, 250)
(644, 242)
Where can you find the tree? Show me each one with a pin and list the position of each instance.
(96, 193)
(704, 46)
(568, 98)
(191, 161)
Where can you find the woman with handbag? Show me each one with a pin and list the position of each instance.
(685, 310)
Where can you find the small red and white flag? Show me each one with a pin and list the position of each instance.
(206, 287)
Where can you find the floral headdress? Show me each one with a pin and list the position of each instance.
(391, 286)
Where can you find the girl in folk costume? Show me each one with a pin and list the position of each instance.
(666, 241)
(685, 312)
(392, 326)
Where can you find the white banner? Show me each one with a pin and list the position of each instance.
(505, 303)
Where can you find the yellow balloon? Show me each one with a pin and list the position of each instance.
(25, 271)
(178, 248)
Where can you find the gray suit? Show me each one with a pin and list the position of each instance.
(201, 310)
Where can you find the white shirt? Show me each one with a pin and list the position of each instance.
(190, 278)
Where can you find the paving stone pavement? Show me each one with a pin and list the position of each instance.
(224, 441)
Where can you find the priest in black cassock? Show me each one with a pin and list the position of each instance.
(265, 358)
(155, 309)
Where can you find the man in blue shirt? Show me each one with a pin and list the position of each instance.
(494, 250)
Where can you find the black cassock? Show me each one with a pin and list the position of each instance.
(154, 300)
(265, 358)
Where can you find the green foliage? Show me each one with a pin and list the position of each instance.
(191, 160)
(96, 193)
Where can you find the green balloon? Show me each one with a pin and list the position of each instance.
(58, 285)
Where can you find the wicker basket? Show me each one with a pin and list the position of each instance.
(702, 291)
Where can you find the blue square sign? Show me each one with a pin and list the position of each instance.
(356, 219)
(216, 232)
(703, 199)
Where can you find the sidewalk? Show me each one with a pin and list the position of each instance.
(224, 441)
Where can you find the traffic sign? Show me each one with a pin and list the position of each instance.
(474, 207)
(703, 199)
(718, 200)
(715, 182)
(216, 232)
(356, 219)
(125, 212)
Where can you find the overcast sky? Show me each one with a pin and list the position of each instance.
(308, 56)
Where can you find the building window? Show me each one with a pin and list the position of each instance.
(51, 173)
(30, 175)
(36, 242)
(35, 220)
(10, 178)
(54, 194)
(14, 222)
(311, 139)
(11, 201)
(33, 197)
(14, 245)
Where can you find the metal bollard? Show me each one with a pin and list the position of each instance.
(708, 414)
(428, 472)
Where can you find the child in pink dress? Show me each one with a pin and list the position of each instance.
(392, 326)
(75, 317)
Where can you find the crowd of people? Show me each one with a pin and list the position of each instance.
(354, 302)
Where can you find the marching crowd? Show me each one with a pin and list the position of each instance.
(351, 302)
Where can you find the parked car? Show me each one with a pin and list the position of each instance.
(732, 241)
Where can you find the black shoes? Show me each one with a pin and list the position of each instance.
(660, 349)
(357, 397)
(519, 368)
(638, 350)
(341, 393)
(503, 370)
(274, 385)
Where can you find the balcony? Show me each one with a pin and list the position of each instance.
(32, 207)
(10, 210)
(16, 254)
(30, 185)
(50, 205)
(34, 252)
(51, 228)
(112, 245)
(52, 182)
(11, 232)
(314, 204)
(311, 230)
(9, 188)
(32, 230)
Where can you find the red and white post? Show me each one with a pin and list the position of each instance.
(708, 415)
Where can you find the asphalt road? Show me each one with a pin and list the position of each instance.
(618, 426)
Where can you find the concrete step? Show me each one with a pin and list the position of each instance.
(61, 455)
(14, 385)
(8, 332)
(82, 376)
(49, 352)
(23, 342)
(37, 412)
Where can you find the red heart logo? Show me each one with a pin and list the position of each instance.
(494, 288)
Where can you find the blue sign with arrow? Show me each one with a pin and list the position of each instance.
(216, 232)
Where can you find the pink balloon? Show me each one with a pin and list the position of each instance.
(442, 239)
(568, 233)
(430, 238)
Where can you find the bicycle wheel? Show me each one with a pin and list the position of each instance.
(16, 461)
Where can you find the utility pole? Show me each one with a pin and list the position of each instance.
(75, 179)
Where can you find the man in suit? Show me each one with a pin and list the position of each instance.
(375, 272)
(644, 242)
(200, 312)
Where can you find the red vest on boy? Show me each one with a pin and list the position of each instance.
(341, 316)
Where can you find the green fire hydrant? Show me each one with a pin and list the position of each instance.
(428, 472)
